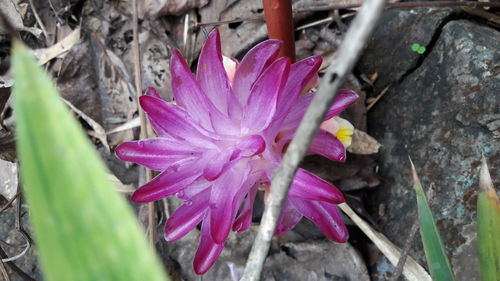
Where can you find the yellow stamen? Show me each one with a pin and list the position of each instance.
(344, 134)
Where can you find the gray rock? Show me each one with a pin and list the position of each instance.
(8, 179)
(16, 244)
(389, 51)
(444, 115)
(316, 261)
(290, 259)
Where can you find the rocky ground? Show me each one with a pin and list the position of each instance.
(440, 107)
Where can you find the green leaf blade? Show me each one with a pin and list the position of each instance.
(488, 227)
(435, 253)
(83, 228)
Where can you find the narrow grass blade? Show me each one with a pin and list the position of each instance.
(438, 263)
(488, 227)
(84, 229)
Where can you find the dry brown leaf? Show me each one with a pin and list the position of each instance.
(364, 144)
(134, 123)
(10, 10)
(98, 129)
(46, 54)
(156, 8)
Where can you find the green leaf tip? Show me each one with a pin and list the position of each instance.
(488, 226)
(439, 266)
(84, 230)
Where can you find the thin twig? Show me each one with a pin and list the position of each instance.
(342, 64)
(15, 268)
(404, 254)
(9, 203)
(147, 175)
(379, 96)
(59, 20)
(399, 5)
(3, 270)
(39, 21)
(334, 6)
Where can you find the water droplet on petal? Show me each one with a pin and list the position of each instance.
(188, 202)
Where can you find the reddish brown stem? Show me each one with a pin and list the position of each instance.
(279, 21)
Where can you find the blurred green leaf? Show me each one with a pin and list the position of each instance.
(438, 263)
(83, 228)
(488, 227)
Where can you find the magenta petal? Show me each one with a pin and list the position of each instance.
(288, 219)
(188, 93)
(311, 187)
(251, 146)
(292, 120)
(186, 217)
(343, 100)
(326, 216)
(218, 164)
(327, 145)
(167, 183)
(222, 213)
(156, 153)
(175, 121)
(194, 188)
(221, 206)
(244, 219)
(150, 91)
(225, 200)
(208, 251)
(301, 73)
(252, 65)
(261, 105)
(211, 73)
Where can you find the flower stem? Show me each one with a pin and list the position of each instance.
(279, 21)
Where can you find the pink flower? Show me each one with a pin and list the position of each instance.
(225, 136)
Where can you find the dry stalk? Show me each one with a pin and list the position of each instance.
(146, 175)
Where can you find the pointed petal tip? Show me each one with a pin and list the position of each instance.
(205, 256)
(272, 42)
(176, 53)
(342, 158)
(119, 150)
(272, 46)
(177, 61)
(140, 197)
(214, 33)
(167, 233)
(314, 61)
(145, 100)
(350, 95)
(200, 267)
(342, 237)
(152, 92)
